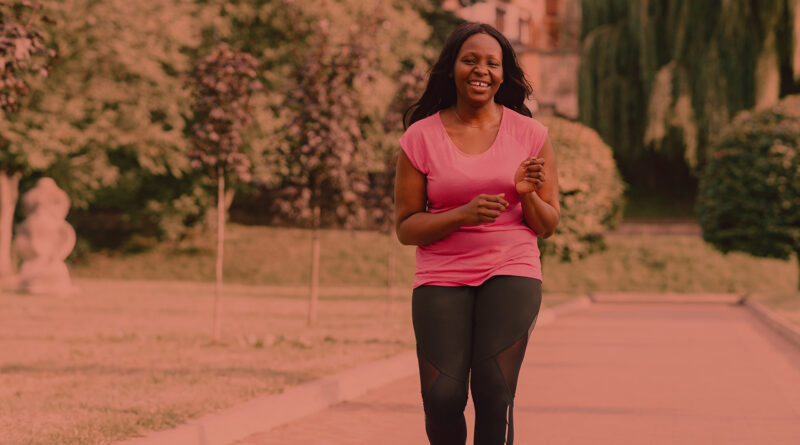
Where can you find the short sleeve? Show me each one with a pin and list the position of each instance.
(413, 144)
(538, 137)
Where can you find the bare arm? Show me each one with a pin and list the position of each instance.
(415, 226)
(540, 208)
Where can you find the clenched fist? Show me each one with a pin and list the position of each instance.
(529, 176)
(484, 208)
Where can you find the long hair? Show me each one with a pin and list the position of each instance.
(440, 91)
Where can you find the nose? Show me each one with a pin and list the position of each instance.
(480, 69)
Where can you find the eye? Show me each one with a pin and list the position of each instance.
(469, 60)
(494, 64)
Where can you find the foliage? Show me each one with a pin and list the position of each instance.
(590, 190)
(749, 198)
(108, 125)
(337, 88)
(441, 21)
(222, 84)
(22, 50)
(659, 78)
(402, 48)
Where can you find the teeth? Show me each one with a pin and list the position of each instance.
(479, 83)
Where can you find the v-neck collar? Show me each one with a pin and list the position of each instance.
(488, 149)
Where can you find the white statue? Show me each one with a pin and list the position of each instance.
(44, 240)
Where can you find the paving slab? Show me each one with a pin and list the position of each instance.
(622, 373)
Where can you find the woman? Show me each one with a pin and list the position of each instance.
(476, 185)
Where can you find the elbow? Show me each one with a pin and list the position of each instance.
(403, 236)
(550, 230)
(405, 233)
(404, 240)
(547, 231)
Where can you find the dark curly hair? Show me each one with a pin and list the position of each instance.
(440, 91)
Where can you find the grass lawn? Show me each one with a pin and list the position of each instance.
(273, 256)
(131, 352)
(122, 358)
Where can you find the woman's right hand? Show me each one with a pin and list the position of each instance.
(484, 208)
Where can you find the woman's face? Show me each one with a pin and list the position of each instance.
(478, 71)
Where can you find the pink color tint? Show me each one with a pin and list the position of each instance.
(474, 253)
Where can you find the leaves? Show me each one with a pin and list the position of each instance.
(749, 197)
(590, 190)
(669, 75)
(334, 147)
(222, 85)
(23, 51)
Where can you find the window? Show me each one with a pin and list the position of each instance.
(553, 32)
(552, 7)
(524, 31)
(501, 20)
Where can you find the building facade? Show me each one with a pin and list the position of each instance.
(546, 37)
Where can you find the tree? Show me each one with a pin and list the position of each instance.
(222, 84)
(658, 79)
(332, 83)
(109, 124)
(749, 197)
(327, 151)
(23, 51)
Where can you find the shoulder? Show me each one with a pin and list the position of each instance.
(528, 132)
(524, 127)
(421, 128)
(417, 140)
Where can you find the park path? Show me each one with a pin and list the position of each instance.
(612, 373)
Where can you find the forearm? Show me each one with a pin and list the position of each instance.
(539, 215)
(423, 228)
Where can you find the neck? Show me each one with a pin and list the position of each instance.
(485, 115)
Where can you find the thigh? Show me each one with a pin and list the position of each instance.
(442, 318)
(506, 308)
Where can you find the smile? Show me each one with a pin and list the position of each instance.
(478, 83)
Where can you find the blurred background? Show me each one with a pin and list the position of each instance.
(118, 121)
(169, 123)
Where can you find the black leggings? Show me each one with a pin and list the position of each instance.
(483, 329)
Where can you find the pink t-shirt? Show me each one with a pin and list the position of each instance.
(474, 253)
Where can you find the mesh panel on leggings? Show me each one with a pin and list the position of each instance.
(427, 373)
(510, 361)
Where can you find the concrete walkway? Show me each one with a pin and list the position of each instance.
(613, 373)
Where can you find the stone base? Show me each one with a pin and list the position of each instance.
(45, 279)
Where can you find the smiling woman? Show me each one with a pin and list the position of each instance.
(476, 186)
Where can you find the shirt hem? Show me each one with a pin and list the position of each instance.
(459, 283)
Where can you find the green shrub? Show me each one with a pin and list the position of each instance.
(749, 196)
(590, 190)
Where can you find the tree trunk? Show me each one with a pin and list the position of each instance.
(797, 254)
(9, 193)
(315, 238)
(229, 195)
(220, 247)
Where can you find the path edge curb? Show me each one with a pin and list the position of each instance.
(267, 412)
(773, 320)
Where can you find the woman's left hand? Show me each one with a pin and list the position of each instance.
(529, 176)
